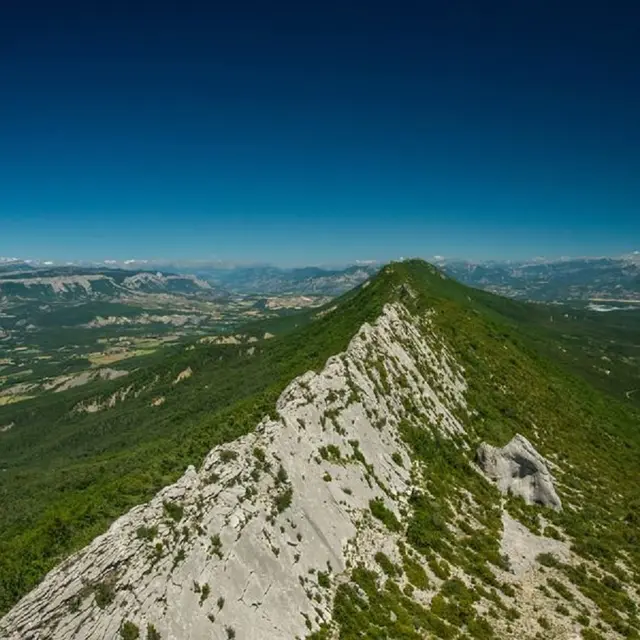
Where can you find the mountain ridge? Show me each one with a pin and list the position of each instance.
(509, 389)
(308, 516)
(577, 279)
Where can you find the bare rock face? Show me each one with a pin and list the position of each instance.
(252, 545)
(519, 469)
(522, 547)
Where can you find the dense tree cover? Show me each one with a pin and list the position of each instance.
(69, 474)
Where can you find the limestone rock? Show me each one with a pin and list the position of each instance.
(517, 468)
(522, 547)
(240, 543)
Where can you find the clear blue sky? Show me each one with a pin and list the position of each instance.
(297, 132)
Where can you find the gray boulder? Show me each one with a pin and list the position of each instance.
(519, 469)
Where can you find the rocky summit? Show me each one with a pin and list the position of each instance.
(368, 504)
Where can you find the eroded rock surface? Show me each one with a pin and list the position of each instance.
(517, 468)
(242, 543)
(523, 547)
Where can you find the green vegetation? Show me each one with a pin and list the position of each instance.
(416, 575)
(330, 452)
(227, 455)
(389, 613)
(560, 588)
(129, 631)
(388, 518)
(283, 500)
(205, 592)
(547, 560)
(178, 558)
(386, 565)
(174, 510)
(104, 593)
(603, 461)
(153, 633)
(281, 476)
(544, 623)
(147, 533)
(216, 546)
(323, 580)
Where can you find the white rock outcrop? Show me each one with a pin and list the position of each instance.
(522, 547)
(243, 544)
(517, 468)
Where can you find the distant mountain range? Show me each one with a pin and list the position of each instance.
(83, 283)
(269, 280)
(559, 280)
(34, 280)
(542, 280)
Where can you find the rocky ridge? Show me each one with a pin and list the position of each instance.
(233, 544)
(177, 320)
(259, 542)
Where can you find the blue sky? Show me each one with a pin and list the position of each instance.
(282, 133)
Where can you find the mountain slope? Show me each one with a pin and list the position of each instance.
(372, 461)
(69, 473)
